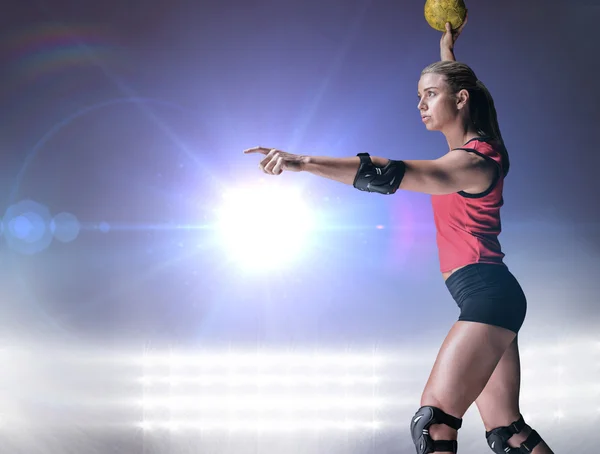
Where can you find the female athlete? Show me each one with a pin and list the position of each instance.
(479, 359)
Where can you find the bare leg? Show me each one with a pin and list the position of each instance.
(498, 404)
(465, 363)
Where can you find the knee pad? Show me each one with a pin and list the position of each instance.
(419, 428)
(498, 438)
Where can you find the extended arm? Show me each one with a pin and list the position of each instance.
(456, 171)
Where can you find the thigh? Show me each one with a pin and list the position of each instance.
(498, 403)
(465, 363)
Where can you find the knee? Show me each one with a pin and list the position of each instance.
(442, 399)
(438, 429)
(516, 435)
(429, 399)
(420, 425)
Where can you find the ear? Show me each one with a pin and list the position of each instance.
(462, 99)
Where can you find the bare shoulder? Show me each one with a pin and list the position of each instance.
(464, 159)
(474, 168)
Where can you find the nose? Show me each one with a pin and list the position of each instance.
(421, 105)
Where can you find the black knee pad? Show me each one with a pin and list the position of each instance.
(498, 438)
(419, 428)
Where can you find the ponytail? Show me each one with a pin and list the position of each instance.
(486, 120)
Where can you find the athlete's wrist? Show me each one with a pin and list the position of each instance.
(447, 53)
(304, 162)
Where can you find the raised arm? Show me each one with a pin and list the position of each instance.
(448, 40)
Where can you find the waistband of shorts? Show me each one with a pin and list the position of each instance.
(465, 270)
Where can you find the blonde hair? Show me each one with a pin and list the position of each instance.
(460, 76)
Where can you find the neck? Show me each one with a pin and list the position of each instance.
(458, 135)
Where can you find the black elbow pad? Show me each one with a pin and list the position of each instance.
(383, 180)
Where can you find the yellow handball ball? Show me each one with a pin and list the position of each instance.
(438, 12)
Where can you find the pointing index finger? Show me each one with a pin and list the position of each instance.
(262, 150)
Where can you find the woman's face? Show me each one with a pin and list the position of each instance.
(436, 105)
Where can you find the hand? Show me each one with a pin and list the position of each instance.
(450, 36)
(276, 161)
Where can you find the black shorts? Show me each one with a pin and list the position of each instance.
(489, 294)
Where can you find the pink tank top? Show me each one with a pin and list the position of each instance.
(468, 225)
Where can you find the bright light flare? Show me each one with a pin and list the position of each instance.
(264, 226)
